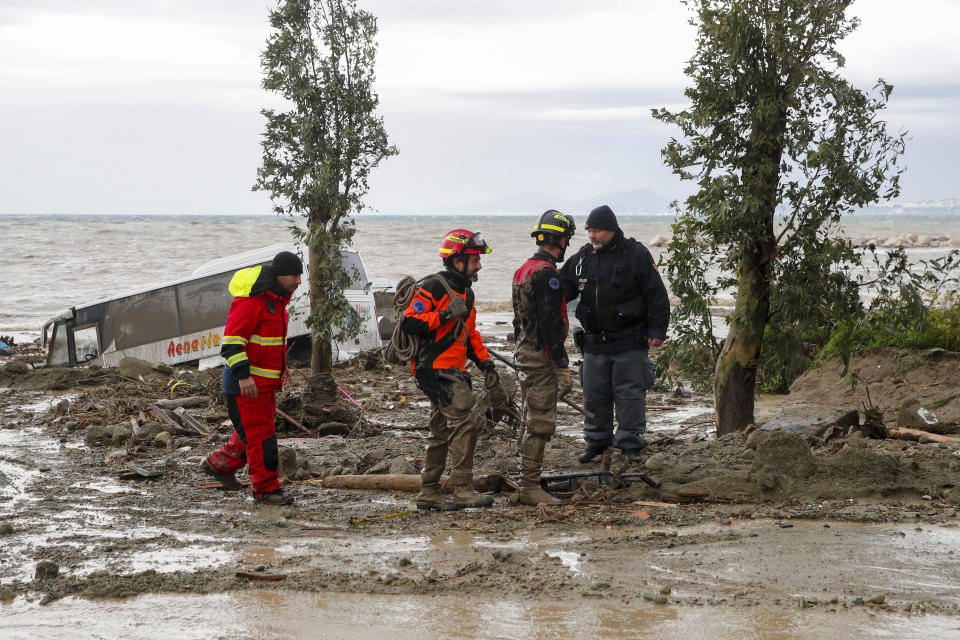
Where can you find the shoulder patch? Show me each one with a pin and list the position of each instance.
(554, 283)
(419, 306)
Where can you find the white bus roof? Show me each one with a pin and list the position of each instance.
(220, 265)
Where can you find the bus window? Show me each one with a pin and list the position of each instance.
(142, 318)
(86, 345)
(59, 355)
(204, 303)
(354, 267)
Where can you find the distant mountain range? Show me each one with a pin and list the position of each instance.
(636, 201)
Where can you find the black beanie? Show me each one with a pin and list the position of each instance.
(602, 218)
(286, 264)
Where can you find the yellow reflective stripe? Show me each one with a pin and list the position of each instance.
(268, 340)
(233, 340)
(234, 359)
(265, 373)
(442, 250)
(552, 226)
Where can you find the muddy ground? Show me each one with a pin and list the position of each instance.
(93, 506)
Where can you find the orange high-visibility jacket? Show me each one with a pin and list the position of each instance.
(439, 347)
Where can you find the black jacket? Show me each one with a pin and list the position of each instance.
(539, 308)
(622, 298)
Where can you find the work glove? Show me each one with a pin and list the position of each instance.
(564, 381)
(491, 378)
(456, 309)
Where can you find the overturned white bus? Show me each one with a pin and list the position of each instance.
(182, 321)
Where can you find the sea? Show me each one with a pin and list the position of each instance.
(52, 262)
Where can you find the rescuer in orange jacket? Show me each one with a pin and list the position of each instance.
(441, 312)
(255, 348)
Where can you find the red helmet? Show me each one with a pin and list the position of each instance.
(462, 241)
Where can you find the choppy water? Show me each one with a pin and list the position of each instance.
(49, 263)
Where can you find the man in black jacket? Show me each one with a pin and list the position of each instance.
(624, 310)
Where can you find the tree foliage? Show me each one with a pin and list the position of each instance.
(781, 146)
(319, 151)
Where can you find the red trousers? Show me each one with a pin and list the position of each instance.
(254, 442)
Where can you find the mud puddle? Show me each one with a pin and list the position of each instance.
(269, 614)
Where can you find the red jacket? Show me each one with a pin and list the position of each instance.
(255, 338)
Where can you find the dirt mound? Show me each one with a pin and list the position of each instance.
(56, 378)
(781, 459)
(892, 376)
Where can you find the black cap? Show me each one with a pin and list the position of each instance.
(286, 264)
(602, 218)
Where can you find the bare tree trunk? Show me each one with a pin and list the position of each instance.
(735, 377)
(321, 355)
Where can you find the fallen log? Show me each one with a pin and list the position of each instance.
(904, 433)
(491, 482)
(189, 402)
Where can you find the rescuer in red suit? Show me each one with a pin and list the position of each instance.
(254, 346)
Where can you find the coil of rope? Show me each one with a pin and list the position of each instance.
(404, 346)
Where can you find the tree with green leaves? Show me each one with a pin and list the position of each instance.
(319, 151)
(781, 146)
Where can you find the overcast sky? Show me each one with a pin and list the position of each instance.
(152, 106)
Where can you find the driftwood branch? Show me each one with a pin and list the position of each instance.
(190, 402)
(903, 433)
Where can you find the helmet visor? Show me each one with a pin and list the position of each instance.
(477, 244)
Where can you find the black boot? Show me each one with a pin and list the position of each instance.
(592, 452)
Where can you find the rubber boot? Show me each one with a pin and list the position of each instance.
(433, 462)
(531, 463)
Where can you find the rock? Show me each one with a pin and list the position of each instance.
(163, 439)
(149, 430)
(7, 594)
(16, 367)
(376, 454)
(71, 425)
(660, 599)
(6, 529)
(810, 419)
(404, 562)
(856, 442)
(163, 368)
(877, 598)
(119, 433)
(656, 462)
(136, 368)
(748, 454)
(97, 434)
(400, 464)
(288, 462)
(380, 467)
(953, 495)
(46, 569)
(659, 241)
(666, 589)
(913, 416)
(60, 408)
